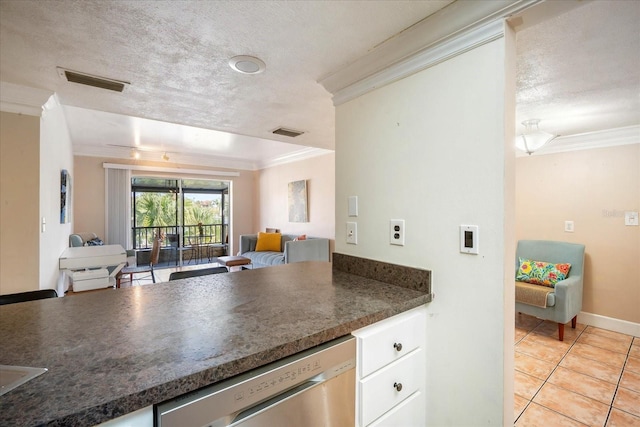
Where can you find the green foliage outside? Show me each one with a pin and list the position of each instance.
(159, 210)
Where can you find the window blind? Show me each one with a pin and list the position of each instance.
(118, 207)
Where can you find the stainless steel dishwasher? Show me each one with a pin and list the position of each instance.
(315, 387)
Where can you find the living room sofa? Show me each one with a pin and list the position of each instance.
(310, 249)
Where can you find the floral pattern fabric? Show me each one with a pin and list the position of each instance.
(541, 273)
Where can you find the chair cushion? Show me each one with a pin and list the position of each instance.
(264, 259)
(541, 273)
(270, 242)
(538, 295)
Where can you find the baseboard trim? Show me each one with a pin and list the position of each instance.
(616, 325)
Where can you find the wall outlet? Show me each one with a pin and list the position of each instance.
(631, 218)
(352, 233)
(568, 226)
(396, 232)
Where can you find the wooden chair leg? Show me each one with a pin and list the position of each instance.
(561, 331)
(573, 321)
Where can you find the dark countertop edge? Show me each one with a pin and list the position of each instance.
(417, 279)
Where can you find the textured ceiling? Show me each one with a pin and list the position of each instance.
(580, 71)
(175, 54)
(577, 71)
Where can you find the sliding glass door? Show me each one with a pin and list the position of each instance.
(191, 216)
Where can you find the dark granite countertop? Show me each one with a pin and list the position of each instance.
(115, 351)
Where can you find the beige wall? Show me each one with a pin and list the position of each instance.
(89, 207)
(593, 188)
(272, 210)
(431, 149)
(19, 202)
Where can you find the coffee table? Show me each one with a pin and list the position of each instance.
(233, 261)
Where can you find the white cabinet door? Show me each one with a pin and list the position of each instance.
(389, 340)
(140, 418)
(391, 371)
(391, 385)
(409, 413)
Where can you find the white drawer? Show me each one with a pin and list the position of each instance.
(409, 413)
(378, 392)
(379, 344)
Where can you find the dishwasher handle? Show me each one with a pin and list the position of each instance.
(274, 401)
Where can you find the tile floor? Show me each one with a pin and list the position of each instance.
(592, 378)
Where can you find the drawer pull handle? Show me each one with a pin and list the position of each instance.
(397, 386)
(397, 346)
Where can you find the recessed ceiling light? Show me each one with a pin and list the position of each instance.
(247, 64)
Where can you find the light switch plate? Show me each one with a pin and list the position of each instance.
(353, 206)
(469, 239)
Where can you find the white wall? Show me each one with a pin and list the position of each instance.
(272, 209)
(430, 149)
(55, 154)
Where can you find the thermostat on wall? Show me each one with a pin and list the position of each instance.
(469, 239)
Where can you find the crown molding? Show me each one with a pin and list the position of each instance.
(305, 153)
(198, 160)
(186, 171)
(421, 61)
(23, 99)
(590, 140)
(459, 27)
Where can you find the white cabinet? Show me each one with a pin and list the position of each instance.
(390, 372)
(140, 418)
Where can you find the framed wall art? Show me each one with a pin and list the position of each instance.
(65, 196)
(298, 201)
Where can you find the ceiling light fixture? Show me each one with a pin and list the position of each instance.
(532, 138)
(247, 64)
(165, 157)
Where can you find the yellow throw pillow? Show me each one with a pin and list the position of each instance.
(268, 242)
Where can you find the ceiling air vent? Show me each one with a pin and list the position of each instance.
(287, 132)
(89, 80)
